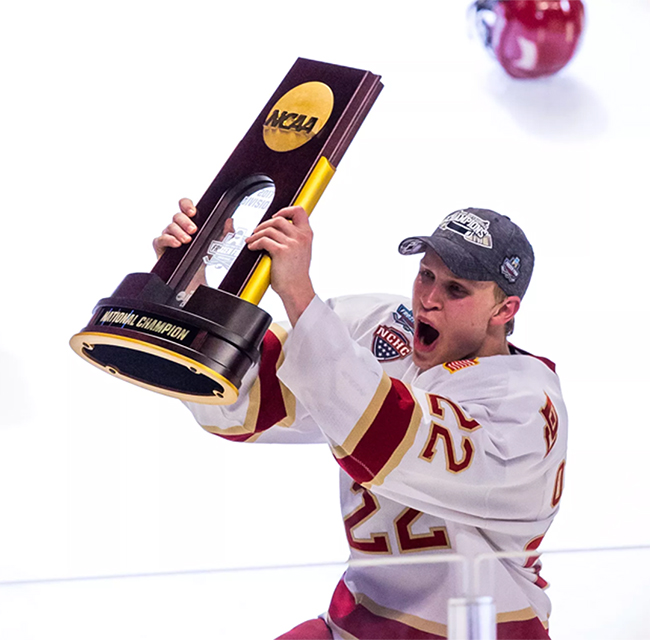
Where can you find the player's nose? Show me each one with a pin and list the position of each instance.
(431, 297)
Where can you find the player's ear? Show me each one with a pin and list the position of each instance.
(505, 311)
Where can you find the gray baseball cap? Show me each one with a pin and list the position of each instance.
(480, 244)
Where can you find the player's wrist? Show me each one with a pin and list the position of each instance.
(296, 301)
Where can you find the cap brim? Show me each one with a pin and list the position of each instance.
(461, 263)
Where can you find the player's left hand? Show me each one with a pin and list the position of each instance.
(179, 230)
(287, 237)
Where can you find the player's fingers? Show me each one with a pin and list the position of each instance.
(296, 214)
(277, 235)
(182, 221)
(172, 236)
(282, 224)
(163, 242)
(264, 243)
(178, 231)
(174, 230)
(187, 207)
(293, 221)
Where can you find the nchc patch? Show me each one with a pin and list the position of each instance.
(457, 365)
(390, 344)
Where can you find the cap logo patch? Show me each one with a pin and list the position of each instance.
(457, 365)
(510, 268)
(389, 344)
(404, 317)
(470, 226)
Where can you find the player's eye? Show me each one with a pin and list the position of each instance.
(426, 275)
(456, 291)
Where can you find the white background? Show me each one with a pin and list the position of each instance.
(113, 111)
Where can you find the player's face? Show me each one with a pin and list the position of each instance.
(452, 315)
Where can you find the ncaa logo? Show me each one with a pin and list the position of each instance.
(298, 116)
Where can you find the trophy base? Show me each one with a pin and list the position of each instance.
(155, 368)
(136, 337)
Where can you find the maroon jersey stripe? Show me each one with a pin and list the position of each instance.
(351, 616)
(383, 436)
(361, 623)
(272, 409)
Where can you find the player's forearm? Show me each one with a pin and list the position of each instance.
(296, 301)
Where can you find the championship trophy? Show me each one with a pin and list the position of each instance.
(191, 328)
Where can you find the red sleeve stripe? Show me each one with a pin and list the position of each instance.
(271, 407)
(377, 443)
(270, 402)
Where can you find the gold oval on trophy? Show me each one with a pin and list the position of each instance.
(298, 116)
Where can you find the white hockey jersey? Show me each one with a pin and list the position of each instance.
(464, 458)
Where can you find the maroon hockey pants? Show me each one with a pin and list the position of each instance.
(311, 630)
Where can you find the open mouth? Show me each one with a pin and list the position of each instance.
(426, 334)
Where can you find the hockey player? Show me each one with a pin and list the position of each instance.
(449, 439)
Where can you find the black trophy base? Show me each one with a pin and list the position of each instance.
(137, 336)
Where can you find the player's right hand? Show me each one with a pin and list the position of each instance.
(179, 231)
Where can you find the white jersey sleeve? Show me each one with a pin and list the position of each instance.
(265, 410)
(479, 442)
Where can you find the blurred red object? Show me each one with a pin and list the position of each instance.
(530, 38)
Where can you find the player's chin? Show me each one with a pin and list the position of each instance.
(424, 359)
